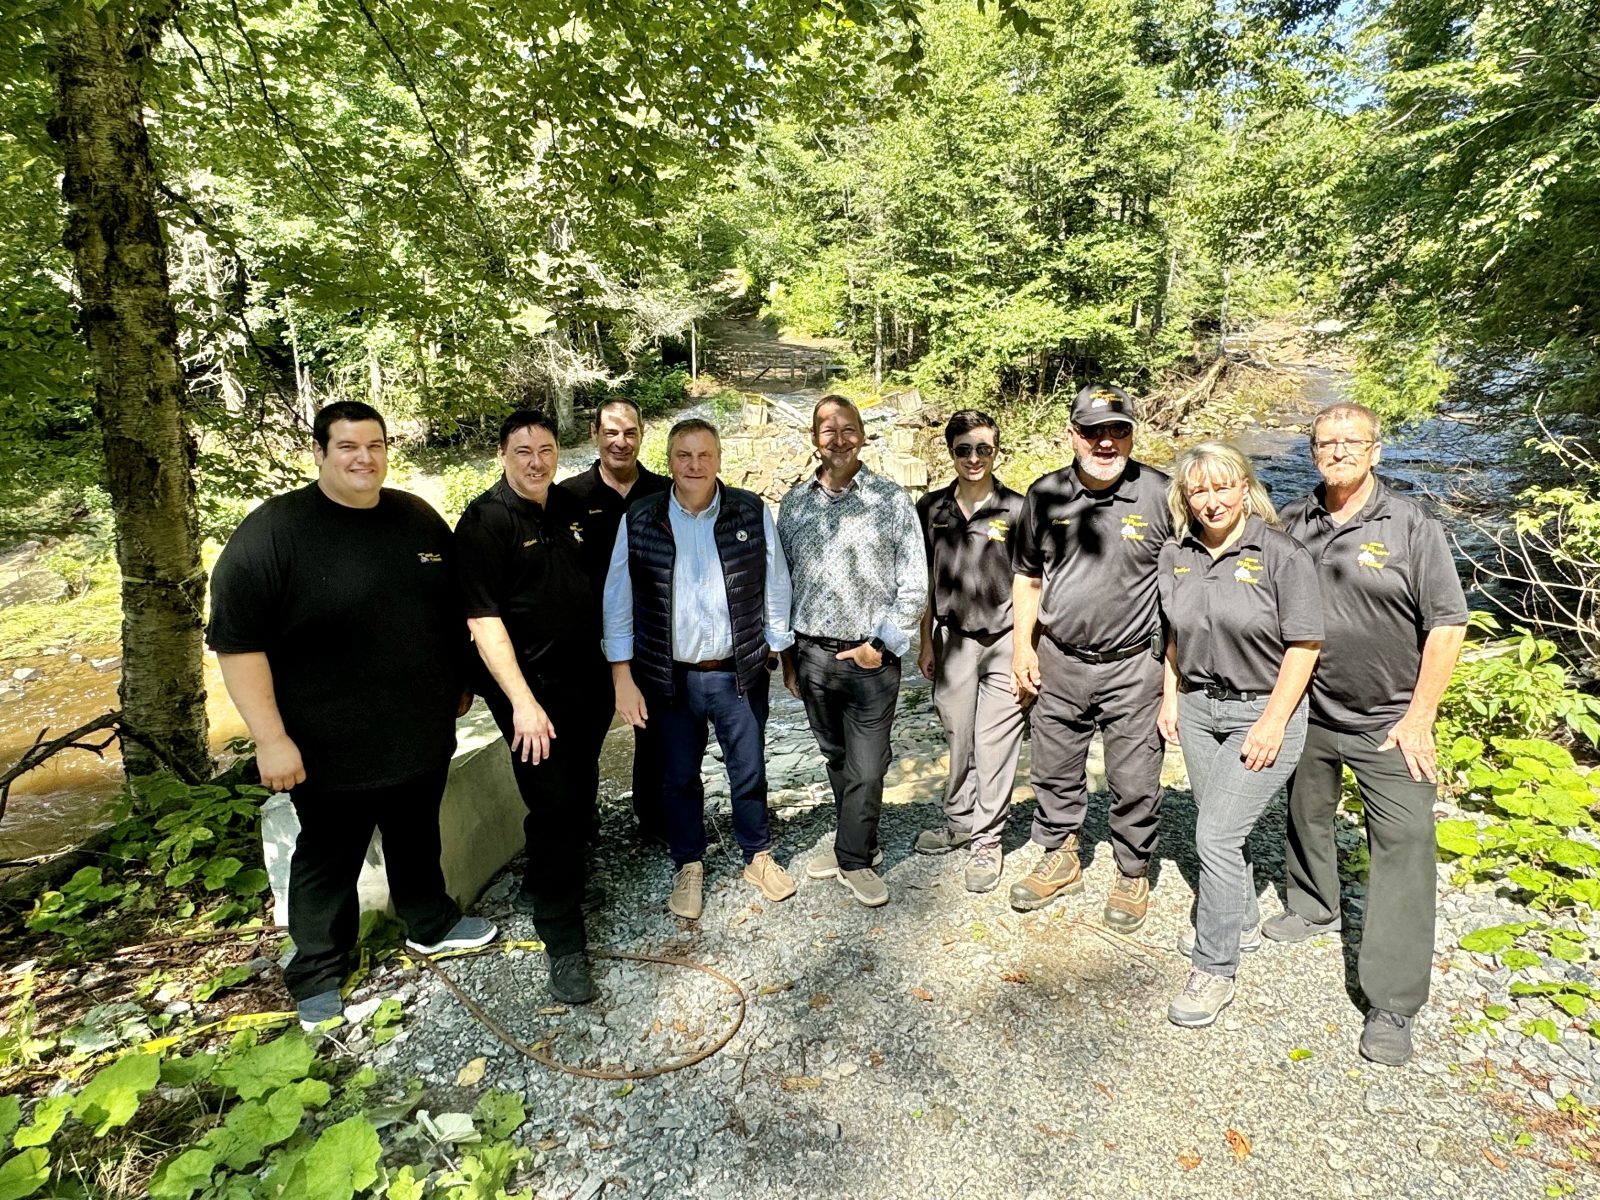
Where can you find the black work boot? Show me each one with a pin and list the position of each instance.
(569, 978)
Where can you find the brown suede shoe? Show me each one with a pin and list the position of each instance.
(1127, 904)
(1057, 873)
(686, 888)
(774, 882)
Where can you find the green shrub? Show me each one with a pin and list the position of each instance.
(463, 483)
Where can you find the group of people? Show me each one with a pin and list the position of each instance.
(352, 628)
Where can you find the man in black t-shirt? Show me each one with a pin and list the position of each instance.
(606, 489)
(524, 548)
(336, 621)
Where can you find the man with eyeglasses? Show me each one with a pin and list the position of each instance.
(969, 527)
(1088, 645)
(1395, 618)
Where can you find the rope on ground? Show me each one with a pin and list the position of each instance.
(536, 1052)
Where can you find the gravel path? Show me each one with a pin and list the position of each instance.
(945, 1046)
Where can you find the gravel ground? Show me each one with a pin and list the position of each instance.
(945, 1046)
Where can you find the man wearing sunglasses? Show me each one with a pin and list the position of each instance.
(1088, 645)
(966, 646)
(1395, 616)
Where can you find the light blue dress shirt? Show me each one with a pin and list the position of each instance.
(701, 629)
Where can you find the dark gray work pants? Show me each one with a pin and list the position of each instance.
(983, 725)
(1122, 700)
(1396, 954)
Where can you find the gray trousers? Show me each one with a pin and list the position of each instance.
(983, 725)
(1122, 700)
(1228, 800)
(1396, 954)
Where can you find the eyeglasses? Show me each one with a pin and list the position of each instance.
(1116, 430)
(1353, 445)
(968, 449)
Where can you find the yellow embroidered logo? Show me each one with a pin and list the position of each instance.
(1180, 570)
(424, 557)
(998, 529)
(939, 525)
(1374, 555)
(1062, 521)
(1132, 525)
(533, 541)
(1249, 570)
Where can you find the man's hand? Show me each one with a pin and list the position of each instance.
(1025, 672)
(1167, 719)
(1414, 736)
(925, 658)
(279, 762)
(1261, 744)
(863, 656)
(791, 677)
(532, 731)
(464, 703)
(630, 702)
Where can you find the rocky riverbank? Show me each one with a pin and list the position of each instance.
(947, 1046)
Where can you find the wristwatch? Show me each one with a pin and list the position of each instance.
(876, 643)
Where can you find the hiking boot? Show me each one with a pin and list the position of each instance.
(315, 1010)
(826, 865)
(1057, 873)
(466, 934)
(1386, 1038)
(569, 978)
(1202, 998)
(524, 902)
(774, 882)
(984, 864)
(686, 884)
(866, 886)
(940, 841)
(1127, 904)
(1249, 941)
(1292, 927)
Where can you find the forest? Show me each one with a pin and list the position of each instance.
(218, 216)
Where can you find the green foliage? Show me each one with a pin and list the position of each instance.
(463, 483)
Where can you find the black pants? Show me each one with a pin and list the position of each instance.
(1122, 700)
(1396, 954)
(559, 793)
(851, 712)
(335, 829)
(649, 768)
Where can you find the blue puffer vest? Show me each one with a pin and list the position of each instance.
(742, 548)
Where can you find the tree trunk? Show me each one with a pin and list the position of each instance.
(127, 315)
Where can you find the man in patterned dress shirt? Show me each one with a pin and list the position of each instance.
(860, 578)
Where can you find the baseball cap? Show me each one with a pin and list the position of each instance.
(1101, 404)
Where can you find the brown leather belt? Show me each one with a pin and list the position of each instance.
(710, 664)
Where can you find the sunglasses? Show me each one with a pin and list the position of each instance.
(968, 449)
(1116, 430)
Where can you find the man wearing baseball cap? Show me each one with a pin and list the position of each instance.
(1088, 645)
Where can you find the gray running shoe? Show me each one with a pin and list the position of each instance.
(940, 841)
(984, 865)
(1292, 927)
(1386, 1038)
(316, 1010)
(466, 934)
(1202, 998)
(1249, 941)
(866, 886)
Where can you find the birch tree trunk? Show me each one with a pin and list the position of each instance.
(127, 315)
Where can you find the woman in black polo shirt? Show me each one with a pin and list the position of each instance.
(1244, 620)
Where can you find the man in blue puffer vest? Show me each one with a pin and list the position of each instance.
(696, 600)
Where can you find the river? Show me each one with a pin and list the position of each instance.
(63, 801)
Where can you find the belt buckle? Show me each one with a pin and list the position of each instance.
(1215, 691)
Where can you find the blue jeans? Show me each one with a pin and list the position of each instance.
(741, 725)
(1228, 799)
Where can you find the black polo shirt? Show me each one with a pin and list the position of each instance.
(1387, 579)
(1096, 551)
(1234, 616)
(969, 559)
(528, 565)
(604, 509)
